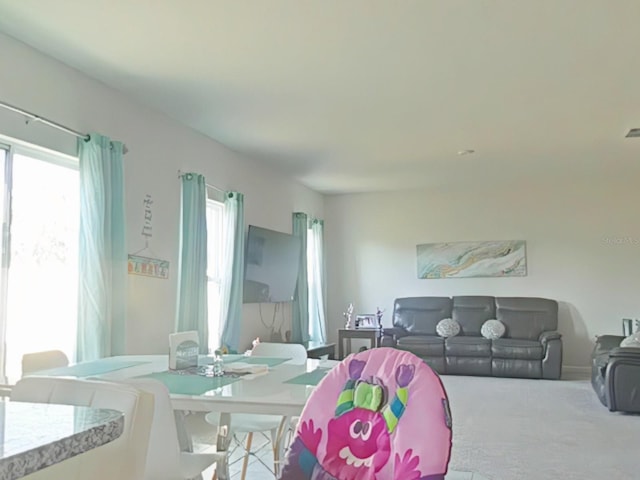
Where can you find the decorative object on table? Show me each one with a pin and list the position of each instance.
(472, 259)
(348, 314)
(255, 342)
(492, 329)
(379, 317)
(448, 327)
(183, 350)
(366, 320)
(627, 327)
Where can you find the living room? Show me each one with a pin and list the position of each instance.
(572, 202)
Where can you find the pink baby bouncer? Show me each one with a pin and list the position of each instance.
(381, 414)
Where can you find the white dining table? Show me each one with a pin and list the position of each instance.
(263, 393)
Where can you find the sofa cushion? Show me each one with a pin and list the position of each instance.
(493, 329)
(467, 347)
(448, 327)
(516, 349)
(471, 312)
(527, 318)
(420, 315)
(632, 340)
(423, 345)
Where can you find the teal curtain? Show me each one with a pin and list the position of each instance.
(191, 312)
(232, 270)
(300, 316)
(317, 321)
(102, 261)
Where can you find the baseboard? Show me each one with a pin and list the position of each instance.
(572, 372)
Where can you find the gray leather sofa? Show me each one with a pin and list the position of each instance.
(615, 374)
(530, 348)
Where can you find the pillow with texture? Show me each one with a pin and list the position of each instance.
(492, 329)
(448, 327)
(632, 340)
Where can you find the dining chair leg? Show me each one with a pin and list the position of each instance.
(245, 462)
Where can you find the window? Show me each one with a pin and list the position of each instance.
(39, 294)
(315, 279)
(215, 211)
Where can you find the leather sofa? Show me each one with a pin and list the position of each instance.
(530, 348)
(615, 374)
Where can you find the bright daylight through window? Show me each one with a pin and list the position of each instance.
(214, 269)
(40, 254)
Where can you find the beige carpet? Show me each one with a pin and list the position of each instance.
(513, 429)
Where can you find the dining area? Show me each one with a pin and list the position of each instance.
(258, 392)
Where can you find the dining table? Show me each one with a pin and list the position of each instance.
(257, 385)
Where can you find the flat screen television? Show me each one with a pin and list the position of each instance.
(270, 266)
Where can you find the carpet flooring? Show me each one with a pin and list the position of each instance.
(515, 429)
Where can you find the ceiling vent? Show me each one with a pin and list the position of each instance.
(634, 132)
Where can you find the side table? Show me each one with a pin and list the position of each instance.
(346, 334)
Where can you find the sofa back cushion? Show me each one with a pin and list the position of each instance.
(526, 318)
(472, 312)
(420, 315)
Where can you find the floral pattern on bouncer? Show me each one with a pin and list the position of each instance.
(390, 421)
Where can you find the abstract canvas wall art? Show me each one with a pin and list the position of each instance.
(500, 258)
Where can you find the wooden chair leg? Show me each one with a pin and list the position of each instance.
(245, 462)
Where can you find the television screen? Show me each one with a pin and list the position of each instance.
(271, 266)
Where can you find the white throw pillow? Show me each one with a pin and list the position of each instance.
(492, 329)
(448, 327)
(632, 340)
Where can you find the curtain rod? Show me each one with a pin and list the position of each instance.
(37, 118)
(181, 173)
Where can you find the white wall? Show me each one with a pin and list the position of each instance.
(583, 249)
(158, 148)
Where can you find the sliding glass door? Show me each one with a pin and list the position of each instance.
(40, 255)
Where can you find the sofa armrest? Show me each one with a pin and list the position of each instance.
(390, 336)
(628, 353)
(622, 380)
(552, 351)
(546, 337)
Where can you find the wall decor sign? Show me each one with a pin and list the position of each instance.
(144, 261)
(500, 258)
(149, 267)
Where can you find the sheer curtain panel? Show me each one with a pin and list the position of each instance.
(102, 251)
(232, 270)
(300, 315)
(315, 261)
(191, 311)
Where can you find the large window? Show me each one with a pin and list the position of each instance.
(215, 211)
(40, 208)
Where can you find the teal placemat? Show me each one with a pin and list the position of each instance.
(253, 360)
(190, 384)
(89, 369)
(309, 378)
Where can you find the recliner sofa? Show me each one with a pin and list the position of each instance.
(530, 348)
(615, 374)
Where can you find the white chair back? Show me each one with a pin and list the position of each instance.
(123, 458)
(163, 456)
(295, 351)
(37, 361)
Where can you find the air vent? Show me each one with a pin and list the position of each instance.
(634, 132)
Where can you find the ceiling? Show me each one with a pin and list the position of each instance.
(370, 95)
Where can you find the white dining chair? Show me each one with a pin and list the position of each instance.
(37, 361)
(165, 460)
(123, 458)
(267, 425)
